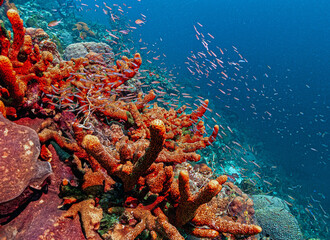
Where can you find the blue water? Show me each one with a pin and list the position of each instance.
(292, 37)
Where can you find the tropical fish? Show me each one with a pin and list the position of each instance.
(54, 23)
(124, 31)
(139, 21)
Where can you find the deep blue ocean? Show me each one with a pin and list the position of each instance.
(287, 49)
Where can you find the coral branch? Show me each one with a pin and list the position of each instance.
(7, 76)
(19, 32)
(90, 216)
(47, 135)
(93, 147)
(147, 98)
(157, 131)
(158, 224)
(206, 217)
(189, 203)
(129, 174)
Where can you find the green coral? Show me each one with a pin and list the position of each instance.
(107, 222)
(71, 191)
(113, 199)
(63, 155)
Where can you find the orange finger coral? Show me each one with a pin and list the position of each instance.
(156, 224)
(129, 174)
(206, 217)
(189, 203)
(19, 32)
(7, 77)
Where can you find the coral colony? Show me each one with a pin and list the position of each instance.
(130, 161)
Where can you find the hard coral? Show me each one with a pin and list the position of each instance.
(90, 217)
(77, 50)
(157, 223)
(189, 203)
(188, 208)
(129, 174)
(274, 216)
(15, 75)
(279, 224)
(19, 32)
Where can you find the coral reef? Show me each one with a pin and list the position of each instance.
(22, 62)
(278, 224)
(77, 50)
(41, 38)
(130, 177)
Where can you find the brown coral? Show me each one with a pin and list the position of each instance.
(90, 217)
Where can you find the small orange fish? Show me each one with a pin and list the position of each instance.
(54, 23)
(139, 21)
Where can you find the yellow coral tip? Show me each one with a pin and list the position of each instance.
(158, 125)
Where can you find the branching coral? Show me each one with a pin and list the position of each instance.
(189, 203)
(158, 179)
(21, 62)
(138, 154)
(145, 168)
(128, 173)
(89, 214)
(156, 223)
